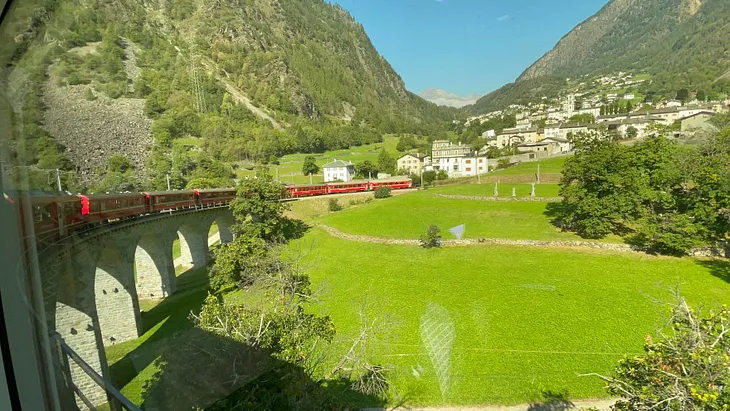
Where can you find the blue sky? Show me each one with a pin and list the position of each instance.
(466, 46)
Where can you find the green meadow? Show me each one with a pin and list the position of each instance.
(526, 322)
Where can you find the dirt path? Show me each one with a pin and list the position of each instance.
(603, 405)
(485, 242)
(503, 199)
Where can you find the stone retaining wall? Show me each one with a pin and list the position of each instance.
(482, 198)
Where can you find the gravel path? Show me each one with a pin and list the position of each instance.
(485, 242)
(505, 199)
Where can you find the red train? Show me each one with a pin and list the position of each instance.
(56, 215)
(306, 190)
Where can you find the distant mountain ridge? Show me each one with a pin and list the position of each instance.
(681, 43)
(444, 98)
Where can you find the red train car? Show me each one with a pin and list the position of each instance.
(393, 183)
(349, 187)
(215, 197)
(170, 200)
(52, 214)
(98, 208)
(306, 190)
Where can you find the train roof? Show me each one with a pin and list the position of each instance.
(40, 196)
(382, 180)
(164, 193)
(104, 196)
(216, 190)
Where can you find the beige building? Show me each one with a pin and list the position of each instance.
(513, 136)
(698, 121)
(569, 129)
(413, 163)
(550, 146)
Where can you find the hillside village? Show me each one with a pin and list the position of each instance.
(613, 102)
(607, 104)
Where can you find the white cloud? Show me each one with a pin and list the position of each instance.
(503, 18)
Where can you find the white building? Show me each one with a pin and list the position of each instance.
(673, 103)
(457, 160)
(629, 96)
(594, 111)
(552, 131)
(640, 124)
(524, 123)
(569, 105)
(338, 170)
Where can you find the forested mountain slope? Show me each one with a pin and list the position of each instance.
(681, 43)
(682, 37)
(223, 81)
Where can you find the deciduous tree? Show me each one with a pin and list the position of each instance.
(310, 166)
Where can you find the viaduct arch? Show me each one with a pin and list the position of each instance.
(92, 285)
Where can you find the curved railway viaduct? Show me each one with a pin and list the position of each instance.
(92, 282)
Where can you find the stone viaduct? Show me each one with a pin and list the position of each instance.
(92, 284)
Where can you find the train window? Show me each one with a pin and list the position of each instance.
(102, 206)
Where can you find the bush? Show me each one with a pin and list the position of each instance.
(503, 163)
(431, 238)
(428, 177)
(382, 192)
(334, 205)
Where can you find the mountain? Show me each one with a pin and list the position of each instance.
(444, 98)
(656, 36)
(681, 43)
(247, 80)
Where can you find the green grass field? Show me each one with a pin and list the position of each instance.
(290, 166)
(526, 321)
(409, 215)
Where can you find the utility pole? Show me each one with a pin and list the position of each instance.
(58, 179)
(538, 173)
(168, 182)
(310, 178)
